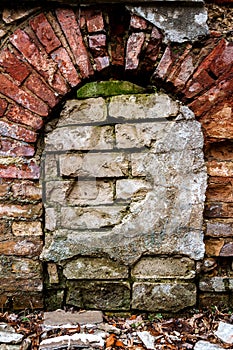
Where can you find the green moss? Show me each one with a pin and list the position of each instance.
(108, 88)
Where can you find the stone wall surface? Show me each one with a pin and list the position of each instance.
(47, 52)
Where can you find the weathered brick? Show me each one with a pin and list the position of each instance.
(220, 189)
(45, 66)
(222, 150)
(94, 165)
(137, 22)
(4, 229)
(97, 44)
(24, 228)
(27, 190)
(21, 211)
(117, 51)
(91, 217)
(223, 60)
(94, 20)
(218, 123)
(18, 70)
(22, 247)
(22, 300)
(81, 138)
(67, 20)
(185, 71)
(209, 299)
(45, 32)
(133, 50)
(9, 89)
(219, 229)
(152, 50)
(23, 268)
(28, 170)
(24, 284)
(201, 82)
(213, 246)
(219, 210)
(220, 168)
(20, 115)
(40, 89)
(17, 132)
(4, 189)
(227, 249)
(3, 106)
(10, 15)
(50, 219)
(164, 64)
(16, 148)
(101, 63)
(66, 67)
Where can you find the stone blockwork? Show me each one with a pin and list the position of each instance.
(44, 54)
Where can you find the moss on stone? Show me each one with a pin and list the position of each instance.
(108, 88)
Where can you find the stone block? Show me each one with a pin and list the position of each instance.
(156, 268)
(219, 229)
(213, 284)
(70, 138)
(163, 296)
(91, 217)
(99, 295)
(15, 268)
(132, 189)
(51, 220)
(60, 317)
(91, 110)
(49, 166)
(24, 228)
(94, 268)
(227, 250)
(94, 165)
(214, 246)
(53, 273)
(134, 107)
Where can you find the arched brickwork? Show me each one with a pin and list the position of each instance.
(56, 50)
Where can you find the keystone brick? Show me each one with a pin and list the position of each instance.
(220, 189)
(24, 228)
(8, 88)
(67, 20)
(45, 66)
(3, 106)
(94, 20)
(16, 148)
(13, 66)
(23, 171)
(137, 22)
(20, 115)
(133, 50)
(21, 211)
(220, 168)
(27, 190)
(45, 32)
(40, 89)
(17, 132)
(66, 67)
(22, 247)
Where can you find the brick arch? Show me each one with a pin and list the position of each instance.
(55, 51)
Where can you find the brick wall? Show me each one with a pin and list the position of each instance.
(44, 55)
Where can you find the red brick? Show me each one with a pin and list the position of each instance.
(220, 189)
(227, 250)
(4, 191)
(17, 132)
(20, 115)
(13, 66)
(8, 88)
(27, 190)
(21, 247)
(40, 89)
(220, 168)
(45, 66)
(153, 47)
(223, 61)
(202, 82)
(66, 67)
(137, 22)
(133, 50)
(15, 148)
(45, 32)
(218, 122)
(28, 170)
(164, 64)
(67, 20)
(3, 106)
(117, 51)
(219, 229)
(27, 211)
(94, 20)
(97, 41)
(101, 63)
